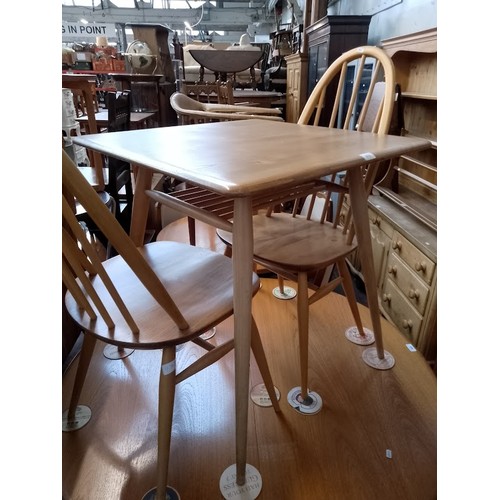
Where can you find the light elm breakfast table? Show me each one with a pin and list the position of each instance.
(246, 162)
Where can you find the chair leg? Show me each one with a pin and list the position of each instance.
(303, 320)
(350, 295)
(260, 358)
(356, 335)
(89, 342)
(165, 417)
(301, 398)
(281, 284)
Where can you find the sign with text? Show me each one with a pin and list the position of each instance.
(75, 31)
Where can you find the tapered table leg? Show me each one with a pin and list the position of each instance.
(375, 357)
(236, 477)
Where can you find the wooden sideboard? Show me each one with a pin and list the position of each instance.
(402, 208)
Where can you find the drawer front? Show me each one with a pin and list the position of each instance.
(415, 259)
(381, 243)
(411, 286)
(402, 313)
(380, 223)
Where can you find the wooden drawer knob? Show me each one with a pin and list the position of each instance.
(421, 266)
(387, 298)
(414, 294)
(407, 324)
(393, 270)
(397, 245)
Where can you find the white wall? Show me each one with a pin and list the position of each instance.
(390, 18)
(405, 17)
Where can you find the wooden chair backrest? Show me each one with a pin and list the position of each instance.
(81, 104)
(85, 85)
(225, 92)
(374, 116)
(81, 261)
(317, 109)
(119, 105)
(210, 92)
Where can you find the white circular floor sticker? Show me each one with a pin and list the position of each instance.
(310, 406)
(354, 335)
(260, 396)
(248, 491)
(82, 417)
(288, 293)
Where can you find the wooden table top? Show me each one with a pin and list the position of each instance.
(243, 158)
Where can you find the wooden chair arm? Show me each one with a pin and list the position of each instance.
(234, 115)
(233, 108)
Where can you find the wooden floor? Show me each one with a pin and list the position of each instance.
(339, 453)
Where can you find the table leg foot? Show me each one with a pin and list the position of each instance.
(309, 406)
(353, 335)
(370, 357)
(248, 491)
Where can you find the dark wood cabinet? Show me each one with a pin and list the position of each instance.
(330, 37)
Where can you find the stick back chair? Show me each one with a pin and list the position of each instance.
(151, 297)
(305, 248)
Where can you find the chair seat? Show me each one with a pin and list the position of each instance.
(178, 266)
(295, 242)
